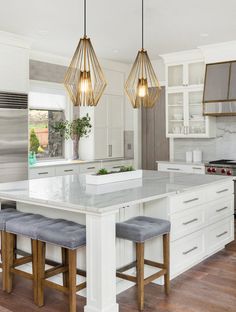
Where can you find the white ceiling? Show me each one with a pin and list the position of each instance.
(114, 25)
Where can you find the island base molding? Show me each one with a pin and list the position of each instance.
(113, 308)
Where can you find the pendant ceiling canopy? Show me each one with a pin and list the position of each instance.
(142, 86)
(84, 79)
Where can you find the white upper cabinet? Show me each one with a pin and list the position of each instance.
(107, 137)
(14, 64)
(184, 93)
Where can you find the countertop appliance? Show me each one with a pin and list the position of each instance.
(13, 137)
(223, 167)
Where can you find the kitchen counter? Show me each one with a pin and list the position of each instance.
(180, 162)
(71, 192)
(63, 162)
(199, 208)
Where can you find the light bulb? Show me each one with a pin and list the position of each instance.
(84, 82)
(142, 89)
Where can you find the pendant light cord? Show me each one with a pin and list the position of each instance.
(85, 9)
(142, 26)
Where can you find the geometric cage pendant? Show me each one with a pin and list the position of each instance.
(142, 86)
(84, 79)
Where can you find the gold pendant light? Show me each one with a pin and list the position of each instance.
(84, 79)
(142, 86)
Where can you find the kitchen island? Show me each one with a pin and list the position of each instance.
(200, 209)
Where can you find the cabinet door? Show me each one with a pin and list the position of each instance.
(100, 143)
(196, 120)
(196, 73)
(100, 113)
(175, 113)
(115, 105)
(115, 142)
(216, 83)
(115, 82)
(176, 75)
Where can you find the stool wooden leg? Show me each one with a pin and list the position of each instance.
(140, 274)
(3, 258)
(72, 279)
(64, 256)
(41, 272)
(34, 251)
(10, 242)
(166, 256)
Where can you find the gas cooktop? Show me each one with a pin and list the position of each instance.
(221, 167)
(223, 162)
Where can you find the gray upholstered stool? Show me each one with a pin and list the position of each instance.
(69, 236)
(27, 225)
(5, 215)
(139, 230)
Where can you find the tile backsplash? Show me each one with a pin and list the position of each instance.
(223, 146)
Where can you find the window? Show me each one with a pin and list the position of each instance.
(51, 145)
(47, 104)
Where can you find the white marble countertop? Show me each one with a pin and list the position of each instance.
(180, 162)
(71, 193)
(63, 162)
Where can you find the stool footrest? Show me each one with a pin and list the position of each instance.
(127, 267)
(127, 277)
(22, 273)
(154, 264)
(154, 276)
(55, 271)
(21, 261)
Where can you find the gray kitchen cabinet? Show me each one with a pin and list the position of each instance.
(217, 82)
(155, 145)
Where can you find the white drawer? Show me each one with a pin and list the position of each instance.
(90, 167)
(219, 234)
(221, 190)
(198, 169)
(37, 173)
(67, 170)
(186, 200)
(220, 209)
(174, 168)
(186, 251)
(187, 222)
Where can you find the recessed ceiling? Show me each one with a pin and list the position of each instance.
(114, 25)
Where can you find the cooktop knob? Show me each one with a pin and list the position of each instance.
(209, 170)
(223, 171)
(229, 173)
(214, 170)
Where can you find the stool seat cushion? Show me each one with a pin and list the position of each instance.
(140, 229)
(64, 233)
(27, 225)
(8, 214)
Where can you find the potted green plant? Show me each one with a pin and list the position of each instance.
(74, 130)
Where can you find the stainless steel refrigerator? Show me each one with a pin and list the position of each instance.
(13, 137)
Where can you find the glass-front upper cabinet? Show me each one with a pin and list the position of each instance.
(186, 74)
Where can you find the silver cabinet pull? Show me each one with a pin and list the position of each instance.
(221, 209)
(117, 167)
(191, 200)
(176, 169)
(190, 250)
(222, 191)
(68, 170)
(190, 221)
(197, 168)
(91, 168)
(222, 234)
(109, 150)
(46, 172)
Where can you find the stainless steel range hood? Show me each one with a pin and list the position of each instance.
(219, 98)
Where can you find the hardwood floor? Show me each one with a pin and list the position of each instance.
(208, 287)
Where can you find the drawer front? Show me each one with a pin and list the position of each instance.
(67, 170)
(221, 190)
(220, 209)
(42, 173)
(187, 222)
(91, 167)
(198, 169)
(186, 200)
(219, 234)
(174, 168)
(187, 251)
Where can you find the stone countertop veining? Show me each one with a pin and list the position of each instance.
(71, 192)
(63, 162)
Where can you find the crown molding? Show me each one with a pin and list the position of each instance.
(181, 56)
(11, 39)
(49, 58)
(220, 52)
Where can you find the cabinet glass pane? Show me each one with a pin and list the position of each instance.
(175, 76)
(196, 118)
(196, 73)
(176, 113)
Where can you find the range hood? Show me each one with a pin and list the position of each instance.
(219, 97)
